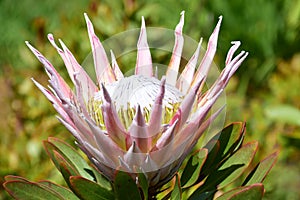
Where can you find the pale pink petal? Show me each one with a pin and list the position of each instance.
(88, 86)
(104, 169)
(143, 60)
(186, 77)
(80, 122)
(236, 66)
(112, 122)
(149, 164)
(57, 104)
(156, 111)
(231, 51)
(166, 137)
(204, 125)
(138, 131)
(116, 69)
(226, 74)
(102, 157)
(80, 95)
(105, 144)
(123, 165)
(72, 128)
(134, 156)
(73, 67)
(205, 104)
(186, 106)
(172, 72)
(102, 67)
(209, 54)
(57, 82)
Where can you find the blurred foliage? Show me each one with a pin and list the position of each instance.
(265, 92)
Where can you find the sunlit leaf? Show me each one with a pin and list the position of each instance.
(193, 167)
(176, 193)
(259, 173)
(250, 192)
(243, 156)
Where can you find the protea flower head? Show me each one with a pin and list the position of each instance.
(137, 123)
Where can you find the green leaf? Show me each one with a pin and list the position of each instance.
(125, 187)
(209, 164)
(64, 167)
(74, 165)
(230, 139)
(15, 178)
(29, 190)
(284, 114)
(236, 138)
(64, 192)
(258, 174)
(100, 179)
(143, 182)
(223, 144)
(89, 190)
(193, 167)
(208, 195)
(69, 155)
(176, 193)
(250, 192)
(213, 181)
(243, 156)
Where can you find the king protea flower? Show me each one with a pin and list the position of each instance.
(153, 130)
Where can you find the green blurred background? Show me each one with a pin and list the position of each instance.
(265, 92)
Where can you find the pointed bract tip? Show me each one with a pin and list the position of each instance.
(219, 22)
(236, 42)
(105, 93)
(87, 19)
(180, 25)
(50, 36)
(182, 17)
(143, 22)
(163, 80)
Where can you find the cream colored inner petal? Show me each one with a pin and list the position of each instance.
(132, 91)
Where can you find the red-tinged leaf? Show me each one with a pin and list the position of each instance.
(64, 167)
(210, 164)
(230, 139)
(125, 187)
(258, 174)
(236, 137)
(250, 192)
(193, 167)
(29, 190)
(70, 155)
(65, 192)
(46, 185)
(176, 193)
(89, 190)
(243, 156)
(212, 181)
(15, 178)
